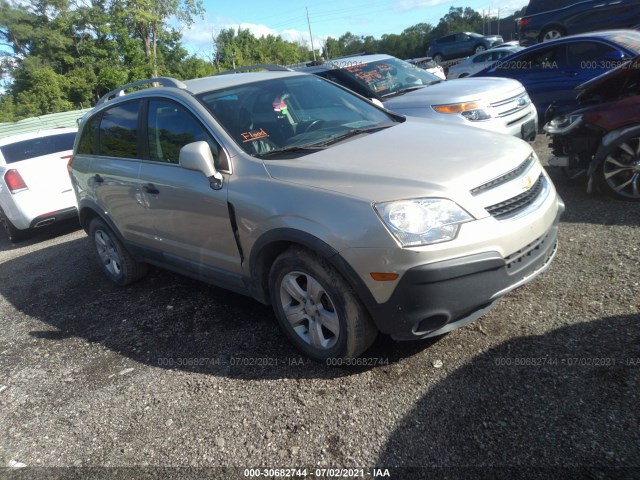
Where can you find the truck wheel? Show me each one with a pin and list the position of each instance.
(619, 172)
(116, 262)
(317, 309)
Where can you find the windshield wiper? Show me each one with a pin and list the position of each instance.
(291, 149)
(402, 91)
(353, 132)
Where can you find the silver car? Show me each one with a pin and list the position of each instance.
(347, 219)
(475, 63)
(494, 104)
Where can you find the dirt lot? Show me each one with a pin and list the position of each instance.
(171, 372)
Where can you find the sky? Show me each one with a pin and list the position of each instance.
(288, 18)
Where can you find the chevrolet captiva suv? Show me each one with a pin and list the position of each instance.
(348, 219)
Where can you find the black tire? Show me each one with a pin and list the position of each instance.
(619, 172)
(116, 262)
(479, 48)
(15, 235)
(437, 58)
(551, 33)
(329, 322)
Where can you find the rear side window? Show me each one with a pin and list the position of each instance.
(119, 131)
(88, 143)
(37, 147)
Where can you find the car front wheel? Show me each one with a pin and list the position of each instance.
(113, 257)
(479, 48)
(317, 309)
(619, 174)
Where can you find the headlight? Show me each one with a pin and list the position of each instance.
(563, 124)
(422, 221)
(473, 111)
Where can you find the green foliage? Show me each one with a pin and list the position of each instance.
(65, 54)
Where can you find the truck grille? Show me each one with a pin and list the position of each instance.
(513, 205)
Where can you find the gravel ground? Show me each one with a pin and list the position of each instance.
(170, 372)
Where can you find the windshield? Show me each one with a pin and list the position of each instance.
(37, 147)
(389, 76)
(289, 112)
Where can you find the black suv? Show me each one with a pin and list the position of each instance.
(461, 44)
(548, 19)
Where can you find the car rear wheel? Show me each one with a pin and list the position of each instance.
(15, 234)
(551, 33)
(113, 257)
(317, 309)
(479, 48)
(437, 58)
(619, 173)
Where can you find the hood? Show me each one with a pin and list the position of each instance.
(494, 38)
(416, 158)
(612, 84)
(487, 89)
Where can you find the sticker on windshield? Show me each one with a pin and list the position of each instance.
(254, 135)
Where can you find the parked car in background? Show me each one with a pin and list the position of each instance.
(477, 62)
(35, 189)
(495, 104)
(551, 71)
(461, 44)
(546, 20)
(428, 64)
(602, 138)
(349, 220)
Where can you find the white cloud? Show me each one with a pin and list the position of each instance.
(199, 38)
(403, 5)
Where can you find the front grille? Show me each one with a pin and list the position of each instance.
(504, 178)
(505, 108)
(518, 203)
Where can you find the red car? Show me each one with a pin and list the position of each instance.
(602, 137)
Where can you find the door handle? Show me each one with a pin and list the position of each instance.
(151, 188)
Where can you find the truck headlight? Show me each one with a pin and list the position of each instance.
(472, 111)
(422, 221)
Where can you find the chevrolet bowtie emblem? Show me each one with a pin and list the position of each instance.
(527, 182)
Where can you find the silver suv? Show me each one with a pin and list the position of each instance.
(302, 195)
(496, 104)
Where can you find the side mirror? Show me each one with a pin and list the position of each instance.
(197, 156)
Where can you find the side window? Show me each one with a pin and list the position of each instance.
(447, 39)
(483, 57)
(581, 52)
(119, 131)
(170, 128)
(553, 57)
(88, 142)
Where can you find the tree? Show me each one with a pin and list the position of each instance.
(147, 20)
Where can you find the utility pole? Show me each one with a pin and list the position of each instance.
(310, 35)
(498, 22)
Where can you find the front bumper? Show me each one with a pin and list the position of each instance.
(433, 299)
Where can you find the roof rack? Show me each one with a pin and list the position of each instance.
(162, 81)
(270, 67)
